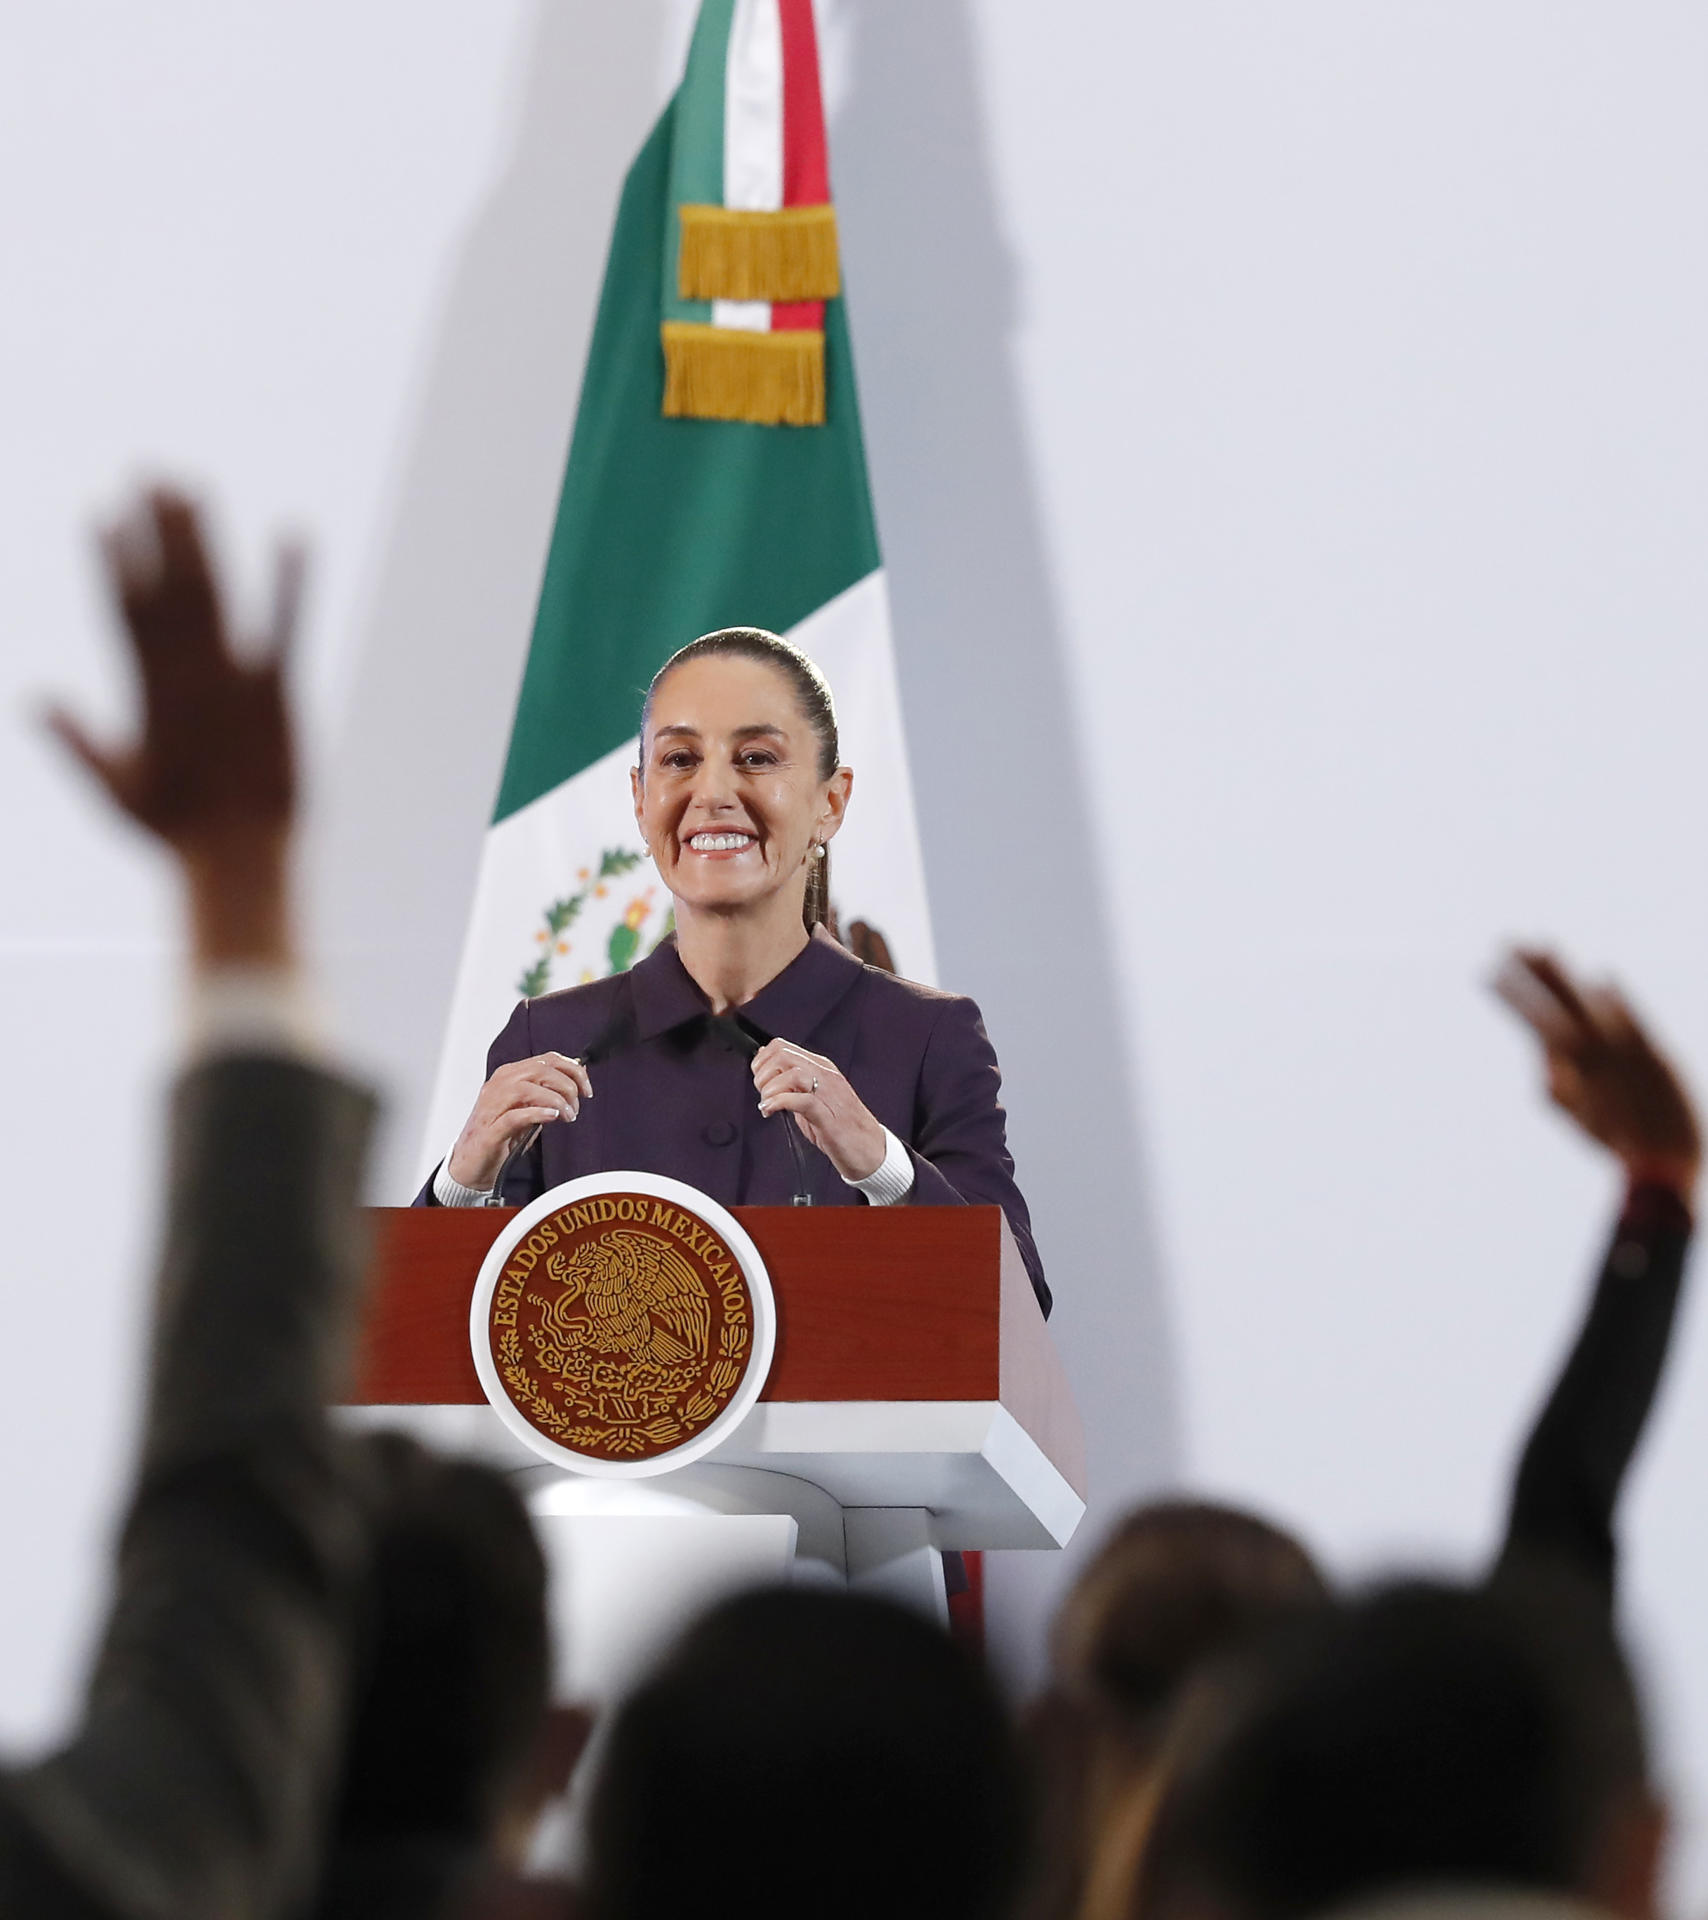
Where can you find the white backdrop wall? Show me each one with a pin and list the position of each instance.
(1288, 428)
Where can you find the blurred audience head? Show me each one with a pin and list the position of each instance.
(1423, 1740)
(808, 1751)
(1177, 1583)
(450, 1740)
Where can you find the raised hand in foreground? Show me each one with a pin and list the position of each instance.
(212, 773)
(210, 1745)
(1605, 1071)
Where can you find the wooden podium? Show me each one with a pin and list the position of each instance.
(915, 1403)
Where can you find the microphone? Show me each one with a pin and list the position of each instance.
(519, 1146)
(742, 1039)
(618, 1034)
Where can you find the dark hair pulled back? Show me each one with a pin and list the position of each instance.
(812, 696)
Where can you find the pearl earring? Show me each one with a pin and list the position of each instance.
(818, 849)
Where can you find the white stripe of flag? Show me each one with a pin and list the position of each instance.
(753, 134)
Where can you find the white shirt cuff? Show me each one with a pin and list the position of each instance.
(892, 1181)
(452, 1193)
(241, 1007)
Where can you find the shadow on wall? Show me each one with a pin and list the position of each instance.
(1016, 891)
(416, 767)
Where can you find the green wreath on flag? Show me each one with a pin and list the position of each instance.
(623, 944)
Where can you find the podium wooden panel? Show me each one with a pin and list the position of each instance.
(909, 1346)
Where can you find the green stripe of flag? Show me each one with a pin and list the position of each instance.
(697, 150)
(669, 528)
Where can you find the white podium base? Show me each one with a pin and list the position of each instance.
(628, 1572)
(633, 1561)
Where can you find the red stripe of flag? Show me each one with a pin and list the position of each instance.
(806, 157)
(806, 161)
(797, 316)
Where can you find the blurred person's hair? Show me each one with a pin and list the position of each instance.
(1176, 1583)
(1422, 1738)
(808, 1750)
(453, 1677)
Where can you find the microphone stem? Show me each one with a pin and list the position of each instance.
(517, 1147)
(744, 1042)
(803, 1198)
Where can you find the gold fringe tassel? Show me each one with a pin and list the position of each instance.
(726, 373)
(730, 254)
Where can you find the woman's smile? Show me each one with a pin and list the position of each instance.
(721, 846)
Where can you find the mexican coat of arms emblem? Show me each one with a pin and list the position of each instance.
(621, 1325)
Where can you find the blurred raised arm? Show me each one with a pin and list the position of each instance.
(1607, 1074)
(197, 1781)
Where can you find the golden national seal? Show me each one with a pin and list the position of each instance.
(621, 1326)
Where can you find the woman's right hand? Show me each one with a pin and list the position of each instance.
(520, 1095)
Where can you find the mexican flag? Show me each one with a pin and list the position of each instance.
(716, 478)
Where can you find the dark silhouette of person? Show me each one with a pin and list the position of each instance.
(808, 1750)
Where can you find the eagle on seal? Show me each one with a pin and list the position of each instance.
(632, 1294)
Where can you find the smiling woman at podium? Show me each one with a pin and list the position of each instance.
(750, 1055)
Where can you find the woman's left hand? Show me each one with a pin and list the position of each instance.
(826, 1108)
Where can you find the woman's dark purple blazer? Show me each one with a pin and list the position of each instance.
(673, 1090)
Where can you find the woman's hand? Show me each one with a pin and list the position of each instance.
(1606, 1072)
(826, 1108)
(518, 1096)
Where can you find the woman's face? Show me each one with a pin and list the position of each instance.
(728, 794)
